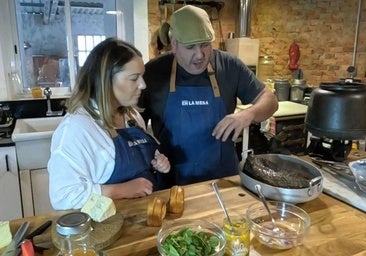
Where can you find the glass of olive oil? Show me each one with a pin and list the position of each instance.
(237, 236)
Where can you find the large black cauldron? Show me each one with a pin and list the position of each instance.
(337, 111)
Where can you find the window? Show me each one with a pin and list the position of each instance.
(42, 44)
(66, 31)
(85, 43)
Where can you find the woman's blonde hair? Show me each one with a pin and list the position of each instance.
(94, 84)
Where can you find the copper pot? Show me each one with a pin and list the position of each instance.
(337, 111)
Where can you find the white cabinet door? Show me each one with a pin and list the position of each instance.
(35, 196)
(41, 198)
(10, 202)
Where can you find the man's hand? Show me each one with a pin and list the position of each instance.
(262, 108)
(233, 123)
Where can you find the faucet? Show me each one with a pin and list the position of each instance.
(47, 92)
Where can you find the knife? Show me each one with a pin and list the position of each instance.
(28, 247)
(12, 249)
(39, 230)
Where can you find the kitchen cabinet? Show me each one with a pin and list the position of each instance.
(35, 196)
(9, 185)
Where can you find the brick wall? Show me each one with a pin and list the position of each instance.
(323, 29)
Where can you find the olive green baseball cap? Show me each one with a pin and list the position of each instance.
(191, 25)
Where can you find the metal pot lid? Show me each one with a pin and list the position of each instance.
(164, 33)
(281, 80)
(343, 87)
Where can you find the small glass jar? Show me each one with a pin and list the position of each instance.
(297, 90)
(265, 68)
(36, 92)
(237, 236)
(73, 231)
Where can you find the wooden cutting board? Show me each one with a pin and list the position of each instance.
(104, 233)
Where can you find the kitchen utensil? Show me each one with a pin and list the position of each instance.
(164, 33)
(12, 248)
(337, 111)
(358, 169)
(293, 222)
(27, 248)
(335, 168)
(293, 195)
(39, 230)
(261, 196)
(221, 202)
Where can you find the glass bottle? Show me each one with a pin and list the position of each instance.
(16, 86)
(297, 90)
(73, 231)
(265, 68)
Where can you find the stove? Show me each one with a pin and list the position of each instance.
(6, 121)
(7, 128)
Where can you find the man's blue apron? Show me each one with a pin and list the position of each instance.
(134, 151)
(190, 115)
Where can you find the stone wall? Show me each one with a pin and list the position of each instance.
(324, 30)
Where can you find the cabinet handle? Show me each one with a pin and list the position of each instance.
(7, 163)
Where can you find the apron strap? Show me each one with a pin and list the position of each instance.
(211, 74)
(215, 86)
(113, 133)
(173, 74)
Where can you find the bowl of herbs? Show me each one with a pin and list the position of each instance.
(191, 237)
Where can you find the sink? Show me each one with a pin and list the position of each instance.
(35, 128)
(32, 138)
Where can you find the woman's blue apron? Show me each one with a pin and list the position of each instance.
(190, 115)
(134, 151)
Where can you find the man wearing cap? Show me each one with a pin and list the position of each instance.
(191, 97)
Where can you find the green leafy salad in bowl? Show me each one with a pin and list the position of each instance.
(191, 237)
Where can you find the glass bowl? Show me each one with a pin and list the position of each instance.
(358, 169)
(292, 221)
(176, 235)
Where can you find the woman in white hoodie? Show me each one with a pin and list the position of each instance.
(101, 146)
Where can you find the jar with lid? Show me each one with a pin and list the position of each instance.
(282, 89)
(265, 68)
(73, 235)
(297, 90)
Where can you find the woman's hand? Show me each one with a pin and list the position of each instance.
(160, 162)
(139, 187)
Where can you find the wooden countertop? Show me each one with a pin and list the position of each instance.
(336, 229)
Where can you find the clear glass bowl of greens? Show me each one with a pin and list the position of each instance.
(191, 237)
